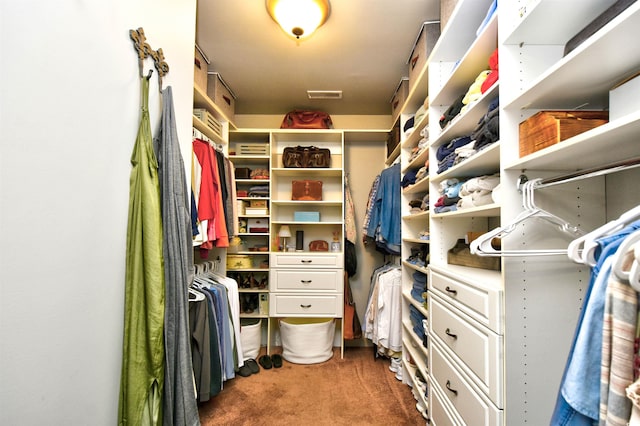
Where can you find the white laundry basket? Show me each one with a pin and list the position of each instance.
(250, 337)
(307, 340)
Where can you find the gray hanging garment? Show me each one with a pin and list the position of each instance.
(180, 406)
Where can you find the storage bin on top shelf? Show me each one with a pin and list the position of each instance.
(427, 37)
(399, 97)
(200, 65)
(221, 94)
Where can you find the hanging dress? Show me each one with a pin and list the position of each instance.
(142, 376)
(180, 407)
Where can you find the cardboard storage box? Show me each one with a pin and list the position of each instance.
(623, 98)
(547, 128)
(221, 95)
(200, 70)
(306, 216)
(427, 38)
(446, 10)
(399, 97)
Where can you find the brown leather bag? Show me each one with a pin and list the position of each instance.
(351, 326)
(318, 245)
(298, 119)
(306, 157)
(306, 190)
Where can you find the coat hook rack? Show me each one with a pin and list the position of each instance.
(144, 51)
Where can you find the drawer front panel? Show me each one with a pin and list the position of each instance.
(479, 348)
(305, 280)
(482, 304)
(306, 260)
(440, 415)
(281, 305)
(472, 407)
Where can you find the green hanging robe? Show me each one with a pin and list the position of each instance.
(142, 375)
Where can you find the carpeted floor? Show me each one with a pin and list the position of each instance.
(356, 390)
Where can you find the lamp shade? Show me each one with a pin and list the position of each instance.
(299, 18)
(284, 232)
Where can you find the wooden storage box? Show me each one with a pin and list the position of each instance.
(427, 38)
(221, 95)
(306, 190)
(399, 97)
(242, 172)
(461, 255)
(200, 70)
(547, 128)
(394, 138)
(253, 149)
(258, 226)
(209, 120)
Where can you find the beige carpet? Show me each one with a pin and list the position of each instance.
(356, 390)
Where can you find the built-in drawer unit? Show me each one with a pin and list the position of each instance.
(481, 301)
(473, 407)
(439, 412)
(306, 260)
(297, 305)
(478, 349)
(305, 280)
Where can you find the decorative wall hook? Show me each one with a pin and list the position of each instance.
(144, 50)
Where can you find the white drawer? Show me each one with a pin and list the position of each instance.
(440, 414)
(306, 280)
(295, 305)
(479, 348)
(483, 303)
(307, 260)
(471, 406)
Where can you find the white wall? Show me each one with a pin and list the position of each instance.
(69, 110)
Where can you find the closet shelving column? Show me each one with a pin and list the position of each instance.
(304, 283)
(465, 304)
(415, 239)
(543, 296)
(252, 277)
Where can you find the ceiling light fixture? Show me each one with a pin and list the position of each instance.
(299, 18)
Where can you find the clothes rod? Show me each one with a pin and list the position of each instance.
(587, 173)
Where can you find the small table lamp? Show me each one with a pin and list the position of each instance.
(284, 233)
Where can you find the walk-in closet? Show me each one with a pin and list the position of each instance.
(411, 212)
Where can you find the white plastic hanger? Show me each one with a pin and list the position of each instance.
(196, 294)
(482, 245)
(625, 249)
(582, 249)
(634, 272)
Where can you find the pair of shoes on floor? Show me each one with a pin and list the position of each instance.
(250, 367)
(396, 364)
(267, 361)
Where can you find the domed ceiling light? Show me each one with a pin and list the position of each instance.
(299, 18)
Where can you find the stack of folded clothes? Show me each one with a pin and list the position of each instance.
(446, 153)
(478, 191)
(450, 195)
(419, 289)
(416, 318)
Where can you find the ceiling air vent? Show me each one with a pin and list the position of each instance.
(324, 94)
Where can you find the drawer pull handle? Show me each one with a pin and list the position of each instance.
(306, 261)
(306, 281)
(453, 391)
(450, 290)
(448, 333)
(305, 306)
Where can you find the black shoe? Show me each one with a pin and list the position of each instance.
(244, 371)
(265, 362)
(276, 360)
(252, 365)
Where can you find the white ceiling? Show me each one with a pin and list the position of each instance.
(362, 50)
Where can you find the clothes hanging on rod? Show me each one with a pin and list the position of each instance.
(383, 317)
(602, 344)
(215, 326)
(213, 197)
(382, 220)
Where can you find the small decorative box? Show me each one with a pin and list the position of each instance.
(306, 216)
